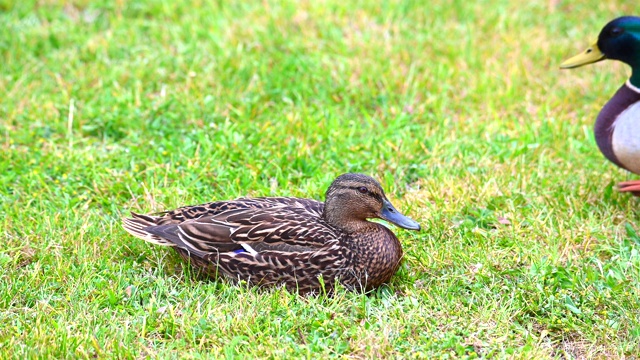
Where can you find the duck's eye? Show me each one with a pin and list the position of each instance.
(363, 190)
(616, 31)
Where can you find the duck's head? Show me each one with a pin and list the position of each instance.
(618, 40)
(353, 198)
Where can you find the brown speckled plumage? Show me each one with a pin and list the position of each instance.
(298, 243)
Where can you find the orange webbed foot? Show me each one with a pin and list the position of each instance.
(630, 186)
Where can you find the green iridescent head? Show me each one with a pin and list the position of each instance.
(618, 40)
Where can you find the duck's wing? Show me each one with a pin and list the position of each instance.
(310, 206)
(251, 225)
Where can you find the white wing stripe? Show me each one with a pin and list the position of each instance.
(248, 249)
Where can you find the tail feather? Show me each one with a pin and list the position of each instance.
(136, 226)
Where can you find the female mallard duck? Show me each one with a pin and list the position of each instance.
(303, 244)
(617, 127)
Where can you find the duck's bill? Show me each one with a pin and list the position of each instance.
(392, 215)
(589, 56)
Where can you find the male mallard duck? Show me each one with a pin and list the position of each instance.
(288, 241)
(617, 128)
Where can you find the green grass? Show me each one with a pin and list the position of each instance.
(458, 108)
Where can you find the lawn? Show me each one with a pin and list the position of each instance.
(458, 108)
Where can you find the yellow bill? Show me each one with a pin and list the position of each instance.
(589, 56)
